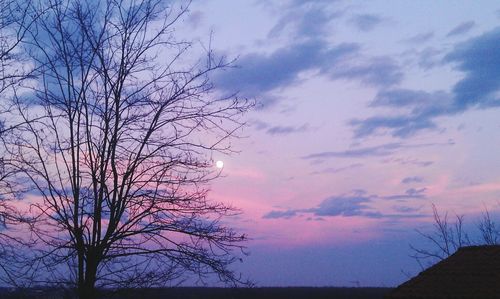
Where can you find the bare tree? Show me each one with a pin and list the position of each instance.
(14, 23)
(448, 236)
(445, 239)
(115, 146)
(489, 232)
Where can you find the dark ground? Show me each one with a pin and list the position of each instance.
(213, 293)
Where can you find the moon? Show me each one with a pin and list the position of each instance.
(219, 164)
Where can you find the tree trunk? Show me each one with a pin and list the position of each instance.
(86, 290)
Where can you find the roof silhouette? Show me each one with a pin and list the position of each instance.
(471, 272)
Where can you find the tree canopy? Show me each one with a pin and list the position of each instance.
(108, 142)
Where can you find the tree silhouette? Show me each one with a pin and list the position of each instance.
(447, 236)
(113, 145)
(14, 24)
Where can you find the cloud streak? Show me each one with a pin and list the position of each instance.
(373, 151)
(461, 28)
(365, 22)
(303, 23)
(286, 130)
(337, 169)
(379, 150)
(411, 193)
(279, 130)
(344, 205)
(420, 38)
(357, 203)
(412, 179)
(380, 71)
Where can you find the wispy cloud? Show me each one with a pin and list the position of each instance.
(280, 214)
(279, 130)
(380, 71)
(461, 28)
(285, 130)
(353, 205)
(303, 19)
(370, 151)
(303, 23)
(379, 150)
(365, 22)
(412, 179)
(337, 169)
(357, 203)
(420, 38)
(411, 193)
(429, 57)
(417, 100)
(400, 126)
(409, 161)
(406, 209)
(344, 205)
(421, 108)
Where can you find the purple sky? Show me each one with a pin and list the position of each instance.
(369, 112)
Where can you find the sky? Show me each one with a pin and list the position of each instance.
(368, 112)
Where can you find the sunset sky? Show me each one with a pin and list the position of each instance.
(368, 113)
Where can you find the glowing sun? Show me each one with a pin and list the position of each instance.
(219, 164)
